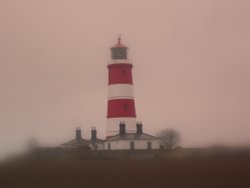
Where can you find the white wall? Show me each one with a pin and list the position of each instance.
(139, 144)
(117, 61)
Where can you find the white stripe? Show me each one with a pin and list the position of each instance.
(124, 97)
(120, 91)
(120, 61)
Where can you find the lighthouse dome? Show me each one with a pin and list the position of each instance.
(119, 50)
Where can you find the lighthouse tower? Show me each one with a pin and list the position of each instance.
(121, 105)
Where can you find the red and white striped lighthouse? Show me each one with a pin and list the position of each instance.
(121, 104)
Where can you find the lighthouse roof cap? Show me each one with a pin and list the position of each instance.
(119, 44)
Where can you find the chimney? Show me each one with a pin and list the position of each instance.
(139, 128)
(122, 129)
(93, 134)
(78, 133)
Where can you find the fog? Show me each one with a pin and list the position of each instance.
(191, 68)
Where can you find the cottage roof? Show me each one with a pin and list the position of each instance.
(96, 141)
(76, 142)
(132, 136)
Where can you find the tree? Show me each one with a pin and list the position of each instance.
(170, 137)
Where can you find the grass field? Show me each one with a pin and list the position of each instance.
(171, 173)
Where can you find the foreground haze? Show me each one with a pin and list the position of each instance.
(191, 68)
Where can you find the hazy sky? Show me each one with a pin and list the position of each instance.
(191, 67)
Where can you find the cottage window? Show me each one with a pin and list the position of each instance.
(132, 145)
(109, 146)
(149, 144)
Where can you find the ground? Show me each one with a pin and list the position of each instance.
(150, 173)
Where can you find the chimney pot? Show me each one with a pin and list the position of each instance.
(93, 134)
(122, 129)
(139, 128)
(78, 133)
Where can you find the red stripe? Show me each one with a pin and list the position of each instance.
(120, 73)
(121, 108)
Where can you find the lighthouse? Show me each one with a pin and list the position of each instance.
(120, 103)
(123, 132)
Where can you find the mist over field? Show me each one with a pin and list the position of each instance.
(191, 68)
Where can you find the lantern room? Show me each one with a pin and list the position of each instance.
(119, 51)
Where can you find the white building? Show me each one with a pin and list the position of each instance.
(93, 143)
(133, 141)
(120, 141)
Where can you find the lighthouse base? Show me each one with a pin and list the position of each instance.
(113, 125)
